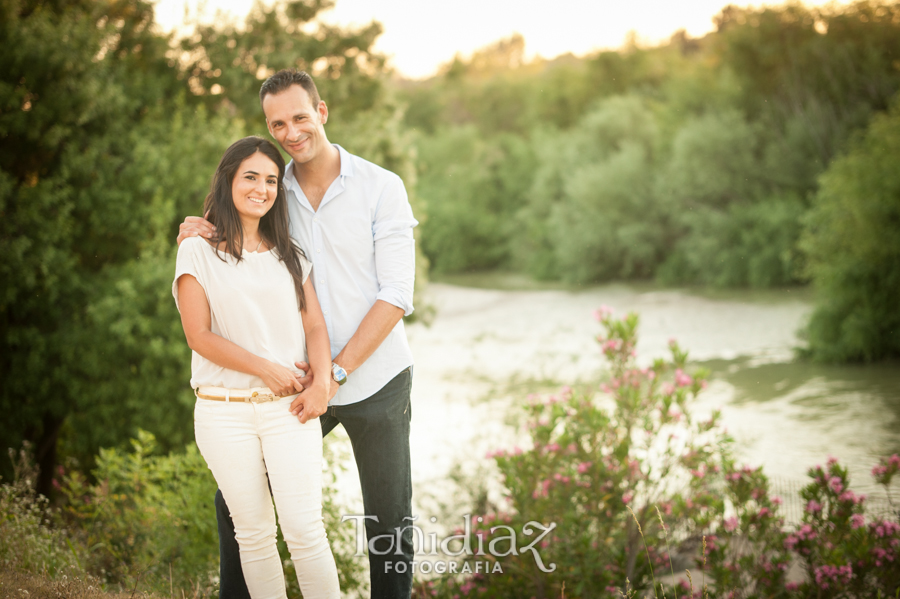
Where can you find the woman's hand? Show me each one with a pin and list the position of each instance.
(282, 381)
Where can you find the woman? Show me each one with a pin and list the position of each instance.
(249, 313)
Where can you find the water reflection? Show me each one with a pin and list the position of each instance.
(790, 416)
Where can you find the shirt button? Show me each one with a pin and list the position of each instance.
(319, 251)
(325, 312)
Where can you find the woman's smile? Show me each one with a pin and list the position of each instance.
(256, 182)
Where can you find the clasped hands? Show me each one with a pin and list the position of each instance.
(314, 394)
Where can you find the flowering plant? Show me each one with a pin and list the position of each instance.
(605, 469)
(637, 489)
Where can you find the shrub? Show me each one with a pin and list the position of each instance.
(149, 522)
(604, 470)
(626, 487)
(854, 250)
(29, 543)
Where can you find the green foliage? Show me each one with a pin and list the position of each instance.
(854, 250)
(745, 245)
(598, 469)
(473, 188)
(29, 542)
(693, 161)
(592, 203)
(150, 518)
(842, 552)
(147, 516)
(630, 489)
(108, 142)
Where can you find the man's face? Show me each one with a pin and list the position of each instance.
(296, 124)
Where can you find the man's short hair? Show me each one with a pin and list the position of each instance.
(284, 79)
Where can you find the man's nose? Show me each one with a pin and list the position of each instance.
(293, 131)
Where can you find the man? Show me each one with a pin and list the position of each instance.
(353, 220)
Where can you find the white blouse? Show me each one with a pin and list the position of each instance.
(252, 303)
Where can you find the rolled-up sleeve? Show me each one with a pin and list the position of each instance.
(395, 249)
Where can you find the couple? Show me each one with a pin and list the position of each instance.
(281, 358)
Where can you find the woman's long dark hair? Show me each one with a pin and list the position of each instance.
(274, 227)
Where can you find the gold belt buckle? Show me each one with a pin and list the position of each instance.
(257, 397)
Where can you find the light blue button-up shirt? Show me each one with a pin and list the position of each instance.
(361, 244)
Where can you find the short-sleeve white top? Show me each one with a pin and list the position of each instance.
(252, 303)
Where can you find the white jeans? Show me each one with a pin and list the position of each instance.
(241, 443)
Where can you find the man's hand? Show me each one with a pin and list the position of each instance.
(194, 226)
(313, 401)
(307, 379)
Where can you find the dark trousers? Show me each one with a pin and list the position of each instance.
(378, 428)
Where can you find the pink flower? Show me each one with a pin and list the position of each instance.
(835, 484)
(602, 312)
(681, 379)
(731, 524)
(627, 497)
(813, 506)
(857, 521)
(583, 467)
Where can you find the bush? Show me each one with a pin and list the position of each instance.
(840, 551)
(853, 248)
(604, 471)
(748, 245)
(471, 187)
(149, 522)
(629, 487)
(592, 213)
(29, 543)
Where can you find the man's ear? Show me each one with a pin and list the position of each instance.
(323, 112)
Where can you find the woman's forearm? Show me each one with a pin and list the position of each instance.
(225, 353)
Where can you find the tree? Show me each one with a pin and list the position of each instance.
(854, 251)
(67, 214)
(108, 142)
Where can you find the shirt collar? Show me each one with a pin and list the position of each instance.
(346, 167)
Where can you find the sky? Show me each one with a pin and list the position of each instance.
(420, 35)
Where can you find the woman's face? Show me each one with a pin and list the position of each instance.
(255, 186)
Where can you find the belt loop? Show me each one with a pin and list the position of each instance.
(227, 395)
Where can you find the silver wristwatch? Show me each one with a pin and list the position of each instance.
(338, 374)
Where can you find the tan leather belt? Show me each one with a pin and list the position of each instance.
(254, 395)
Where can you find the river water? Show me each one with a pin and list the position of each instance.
(487, 348)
